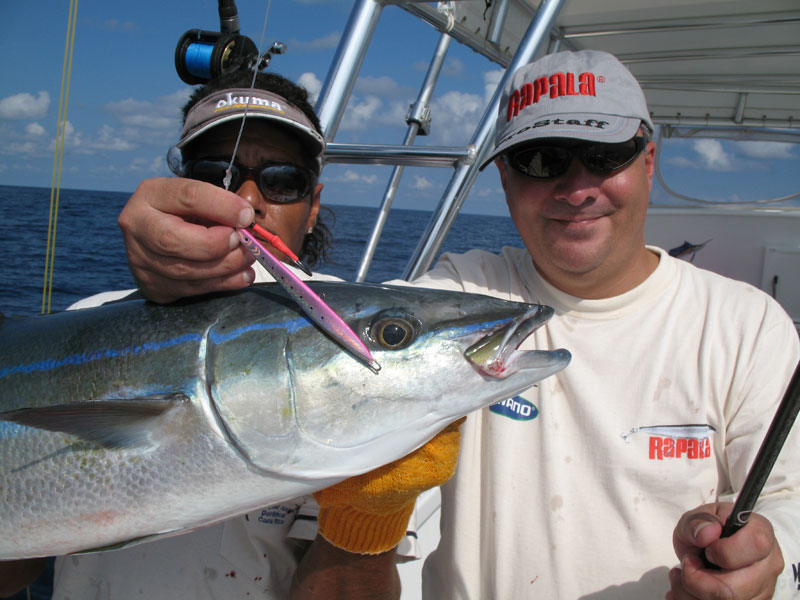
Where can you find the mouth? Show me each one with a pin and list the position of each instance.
(577, 219)
(497, 354)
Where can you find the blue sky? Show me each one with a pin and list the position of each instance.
(125, 98)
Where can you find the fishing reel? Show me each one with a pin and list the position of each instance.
(203, 55)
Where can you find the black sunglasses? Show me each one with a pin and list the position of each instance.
(548, 160)
(280, 182)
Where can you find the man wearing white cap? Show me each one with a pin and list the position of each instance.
(675, 376)
(589, 484)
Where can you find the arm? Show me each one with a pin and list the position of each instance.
(180, 239)
(330, 572)
(16, 575)
(753, 559)
(362, 519)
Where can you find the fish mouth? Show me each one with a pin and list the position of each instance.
(497, 354)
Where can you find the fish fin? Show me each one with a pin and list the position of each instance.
(110, 423)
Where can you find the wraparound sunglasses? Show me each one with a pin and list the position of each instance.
(280, 182)
(548, 160)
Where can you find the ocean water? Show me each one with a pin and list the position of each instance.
(90, 254)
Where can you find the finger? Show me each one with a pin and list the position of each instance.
(695, 530)
(164, 235)
(756, 581)
(752, 544)
(677, 591)
(145, 264)
(203, 201)
(163, 215)
(157, 227)
(163, 291)
(165, 279)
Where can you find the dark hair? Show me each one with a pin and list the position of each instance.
(317, 244)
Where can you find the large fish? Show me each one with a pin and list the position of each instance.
(134, 420)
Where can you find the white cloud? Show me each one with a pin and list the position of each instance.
(34, 130)
(454, 116)
(162, 114)
(377, 86)
(326, 42)
(681, 161)
(453, 67)
(777, 150)
(713, 155)
(422, 183)
(109, 139)
(350, 176)
(490, 81)
(312, 84)
(361, 114)
(25, 106)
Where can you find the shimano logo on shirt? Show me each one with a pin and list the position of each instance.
(516, 408)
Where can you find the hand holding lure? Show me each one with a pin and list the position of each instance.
(316, 309)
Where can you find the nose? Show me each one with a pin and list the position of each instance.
(248, 190)
(577, 186)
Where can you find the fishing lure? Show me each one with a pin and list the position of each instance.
(278, 244)
(314, 307)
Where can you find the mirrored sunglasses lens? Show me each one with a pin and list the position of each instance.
(603, 158)
(284, 183)
(542, 162)
(213, 171)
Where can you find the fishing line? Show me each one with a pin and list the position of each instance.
(55, 186)
(227, 180)
(311, 304)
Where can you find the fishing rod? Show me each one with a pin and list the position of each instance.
(765, 459)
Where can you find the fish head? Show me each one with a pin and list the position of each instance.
(443, 355)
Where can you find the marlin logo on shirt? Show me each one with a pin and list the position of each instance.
(675, 441)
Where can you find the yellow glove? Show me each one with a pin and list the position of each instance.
(369, 513)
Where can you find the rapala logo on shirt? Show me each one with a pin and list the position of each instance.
(516, 408)
(687, 442)
(661, 448)
(229, 101)
(554, 86)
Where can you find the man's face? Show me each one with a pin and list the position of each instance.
(263, 142)
(585, 231)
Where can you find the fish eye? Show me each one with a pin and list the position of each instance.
(392, 333)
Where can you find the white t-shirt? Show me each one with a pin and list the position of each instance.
(250, 556)
(573, 488)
